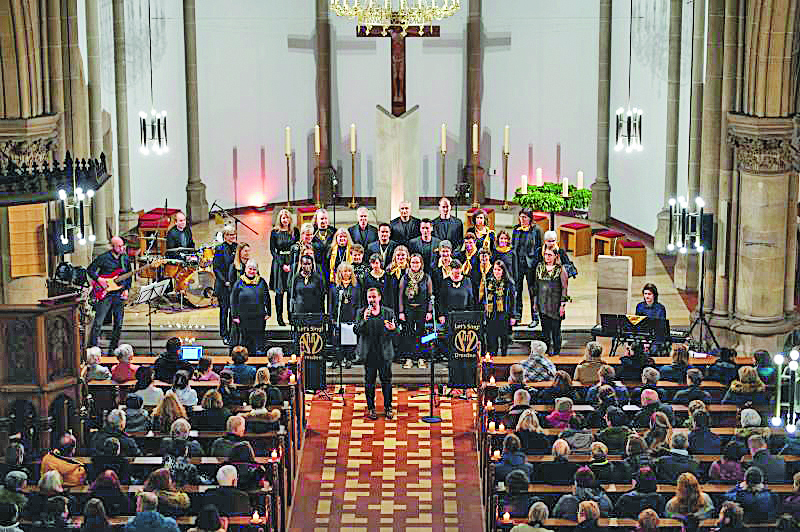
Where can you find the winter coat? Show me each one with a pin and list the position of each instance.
(630, 504)
(559, 420)
(726, 471)
(567, 505)
(580, 441)
(670, 467)
(760, 505)
(615, 438)
(703, 441)
(511, 462)
(151, 522)
(741, 393)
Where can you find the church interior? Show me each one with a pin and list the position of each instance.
(563, 236)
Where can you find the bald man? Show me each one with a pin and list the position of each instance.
(113, 261)
(180, 236)
(363, 233)
(448, 227)
(405, 227)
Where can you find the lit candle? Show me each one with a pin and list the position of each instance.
(475, 138)
(352, 138)
(288, 141)
(292, 379)
(565, 187)
(539, 180)
(491, 426)
(505, 139)
(501, 428)
(274, 454)
(489, 405)
(256, 518)
(524, 183)
(580, 179)
(293, 359)
(496, 454)
(444, 138)
(491, 380)
(488, 357)
(317, 142)
(506, 517)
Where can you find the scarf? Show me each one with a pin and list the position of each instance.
(334, 256)
(397, 270)
(503, 249)
(525, 228)
(252, 282)
(495, 294)
(412, 287)
(467, 267)
(322, 234)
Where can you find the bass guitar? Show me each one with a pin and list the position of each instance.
(112, 281)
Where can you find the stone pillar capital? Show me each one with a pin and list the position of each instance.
(764, 145)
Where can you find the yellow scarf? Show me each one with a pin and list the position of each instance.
(467, 267)
(503, 249)
(334, 255)
(446, 270)
(254, 281)
(397, 270)
(525, 228)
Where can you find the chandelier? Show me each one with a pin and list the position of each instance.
(371, 13)
(629, 123)
(152, 129)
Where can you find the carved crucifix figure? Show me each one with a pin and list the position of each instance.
(398, 56)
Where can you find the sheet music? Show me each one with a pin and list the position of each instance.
(348, 336)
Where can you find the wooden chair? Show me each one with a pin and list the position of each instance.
(575, 237)
(605, 243)
(305, 214)
(637, 252)
(543, 221)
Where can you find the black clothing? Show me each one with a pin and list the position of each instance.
(323, 238)
(671, 466)
(251, 476)
(686, 396)
(450, 229)
(167, 365)
(108, 263)
(370, 281)
(405, 232)
(376, 349)
(506, 256)
(128, 445)
(178, 239)
(105, 264)
(212, 419)
(560, 471)
(308, 294)
(280, 247)
(426, 249)
(414, 303)
(385, 250)
(229, 501)
(631, 504)
(223, 258)
(116, 502)
(534, 442)
(499, 305)
(454, 297)
(527, 246)
(350, 297)
(391, 296)
(365, 236)
(251, 304)
(118, 464)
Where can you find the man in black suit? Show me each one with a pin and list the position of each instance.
(383, 246)
(405, 227)
(228, 500)
(446, 227)
(363, 233)
(180, 236)
(425, 244)
(375, 326)
(223, 258)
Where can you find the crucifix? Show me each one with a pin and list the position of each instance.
(398, 35)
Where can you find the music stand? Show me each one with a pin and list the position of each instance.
(147, 294)
(610, 327)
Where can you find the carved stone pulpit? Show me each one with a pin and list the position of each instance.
(39, 372)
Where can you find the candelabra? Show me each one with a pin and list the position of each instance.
(352, 203)
(288, 179)
(72, 212)
(789, 374)
(153, 133)
(419, 13)
(505, 180)
(629, 124)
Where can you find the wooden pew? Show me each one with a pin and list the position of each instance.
(613, 523)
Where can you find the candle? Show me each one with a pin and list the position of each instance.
(506, 517)
(565, 187)
(256, 518)
(496, 454)
(491, 380)
(274, 454)
(292, 379)
(491, 426)
(352, 138)
(444, 138)
(539, 180)
(501, 428)
(317, 142)
(580, 179)
(475, 138)
(288, 141)
(488, 357)
(524, 183)
(505, 139)
(558, 161)
(293, 359)
(489, 405)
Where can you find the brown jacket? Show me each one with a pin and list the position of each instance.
(72, 472)
(586, 372)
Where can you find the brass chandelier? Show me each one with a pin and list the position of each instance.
(407, 13)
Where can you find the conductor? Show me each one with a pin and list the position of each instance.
(375, 327)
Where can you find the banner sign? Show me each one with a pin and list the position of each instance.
(465, 341)
(310, 339)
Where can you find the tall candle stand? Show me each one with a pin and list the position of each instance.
(316, 182)
(352, 203)
(505, 180)
(444, 154)
(288, 179)
(475, 162)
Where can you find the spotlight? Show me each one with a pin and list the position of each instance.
(92, 238)
(700, 249)
(672, 202)
(778, 359)
(776, 421)
(90, 193)
(793, 365)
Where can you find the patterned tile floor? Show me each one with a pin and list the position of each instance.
(404, 474)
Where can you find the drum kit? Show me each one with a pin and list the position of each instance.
(191, 272)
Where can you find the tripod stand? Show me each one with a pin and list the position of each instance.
(431, 418)
(700, 319)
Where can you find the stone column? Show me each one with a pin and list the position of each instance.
(196, 203)
(56, 73)
(474, 94)
(127, 218)
(323, 52)
(709, 156)
(673, 122)
(696, 120)
(96, 119)
(600, 209)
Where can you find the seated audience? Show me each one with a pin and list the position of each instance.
(694, 378)
(50, 485)
(513, 458)
(606, 398)
(516, 501)
(560, 471)
(123, 370)
(93, 370)
(765, 366)
(209, 520)
(760, 505)
(538, 367)
(677, 462)
(701, 439)
(689, 500)
(137, 419)
(728, 468)
(146, 388)
(748, 388)
(180, 385)
(110, 457)
(773, 467)
(516, 380)
(650, 405)
(179, 432)
(562, 387)
(659, 435)
(537, 515)
(615, 436)
(731, 518)
(95, 518)
(650, 378)
(586, 489)
(106, 487)
(169, 363)
(261, 419)
(578, 437)
(522, 402)
(251, 474)
(167, 411)
(114, 428)
(181, 469)
(147, 518)
(9, 517)
(559, 418)
(750, 423)
(242, 373)
(648, 521)
(604, 470)
(643, 495)
(55, 516)
(213, 416)
(279, 372)
(234, 434)
(205, 370)
(227, 498)
(724, 368)
(676, 372)
(531, 434)
(606, 375)
(586, 371)
(171, 501)
(13, 490)
(73, 473)
(637, 455)
(14, 460)
(230, 395)
(791, 504)
(588, 515)
(264, 382)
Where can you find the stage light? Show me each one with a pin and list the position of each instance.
(62, 194)
(700, 249)
(776, 421)
(793, 365)
(778, 359)
(794, 354)
(90, 193)
(672, 202)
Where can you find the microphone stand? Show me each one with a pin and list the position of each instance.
(236, 220)
(431, 418)
(338, 336)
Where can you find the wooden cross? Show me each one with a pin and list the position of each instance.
(398, 36)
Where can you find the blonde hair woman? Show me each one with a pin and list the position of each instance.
(344, 301)
(281, 240)
(394, 274)
(748, 388)
(531, 434)
(167, 411)
(340, 251)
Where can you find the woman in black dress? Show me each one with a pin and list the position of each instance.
(526, 241)
(497, 295)
(308, 290)
(397, 269)
(551, 298)
(281, 240)
(505, 253)
(415, 308)
(455, 294)
(374, 278)
(250, 307)
(344, 302)
(484, 236)
(323, 238)
(340, 252)
(234, 273)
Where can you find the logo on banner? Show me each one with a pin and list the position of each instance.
(466, 340)
(310, 343)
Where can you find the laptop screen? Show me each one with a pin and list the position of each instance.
(191, 352)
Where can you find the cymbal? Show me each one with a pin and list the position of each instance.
(182, 249)
(154, 237)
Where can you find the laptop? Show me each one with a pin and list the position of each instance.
(191, 352)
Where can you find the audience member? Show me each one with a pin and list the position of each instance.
(234, 433)
(110, 457)
(13, 490)
(750, 425)
(604, 470)
(760, 505)
(14, 460)
(209, 520)
(615, 436)
(659, 435)
(214, 415)
(228, 499)
(643, 495)
(9, 517)
(106, 488)
(147, 518)
(650, 404)
(586, 489)
(94, 517)
(748, 388)
(559, 418)
(279, 372)
(261, 419)
(251, 474)
(560, 471)
(512, 458)
(677, 462)
(637, 456)
(724, 368)
(606, 375)
(205, 370)
(50, 485)
(123, 370)
(606, 398)
(146, 388)
(181, 469)
(689, 500)
(650, 378)
(538, 514)
(579, 438)
(773, 467)
(93, 370)
(791, 504)
(531, 434)
(73, 473)
(55, 516)
(114, 428)
(538, 367)
(728, 468)
(588, 515)
(171, 501)
(169, 363)
(701, 439)
(516, 380)
(516, 501)
(242, 373)
(694, 378)
(522, 402)
(648, 521)
(264, 382)
(676, 372)
(167, 411)
(562, 387)
(731, 518)
(180, 385)
(179, 432)
(587, 371)
(137, 419)
(230, 395)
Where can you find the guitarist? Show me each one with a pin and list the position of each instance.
(114, 261)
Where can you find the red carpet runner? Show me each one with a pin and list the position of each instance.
(404, 474)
